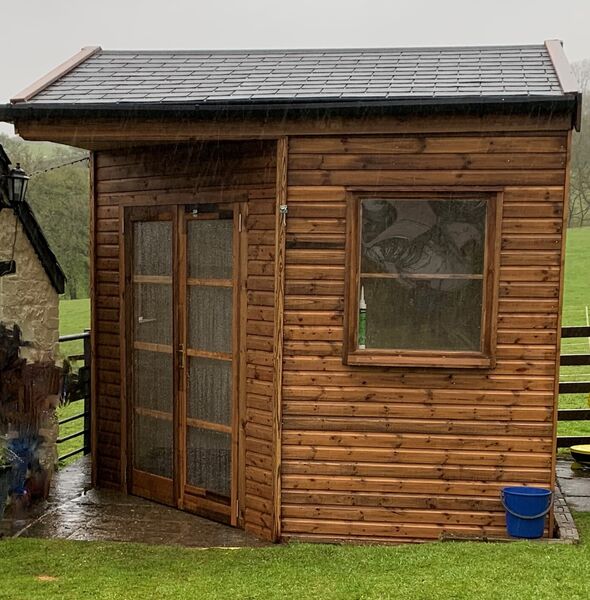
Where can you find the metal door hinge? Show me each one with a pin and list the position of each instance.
(240, 222)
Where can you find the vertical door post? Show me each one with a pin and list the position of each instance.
(279, 302)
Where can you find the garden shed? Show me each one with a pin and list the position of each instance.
(326, 284)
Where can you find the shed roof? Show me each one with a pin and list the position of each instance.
(145, 79)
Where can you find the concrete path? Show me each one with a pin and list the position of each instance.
(574, 484)
(75, 512)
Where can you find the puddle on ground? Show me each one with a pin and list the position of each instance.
(77, 513)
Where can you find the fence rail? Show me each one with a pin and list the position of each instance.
(574, 387)
(77, 390)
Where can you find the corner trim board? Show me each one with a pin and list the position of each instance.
(93, 326)
(279, 302)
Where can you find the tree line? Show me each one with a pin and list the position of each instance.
(579, 200)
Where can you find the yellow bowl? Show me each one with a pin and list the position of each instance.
(581, 453)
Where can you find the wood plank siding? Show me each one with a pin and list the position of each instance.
(409, 454)
(366, 453)
(207, 172)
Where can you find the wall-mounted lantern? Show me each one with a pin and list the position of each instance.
(15, 187)
(17, 182)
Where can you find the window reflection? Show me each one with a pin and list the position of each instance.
(422, 264)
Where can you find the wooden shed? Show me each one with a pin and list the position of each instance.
(326, 284)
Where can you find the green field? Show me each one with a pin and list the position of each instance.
(575, 303)
(74, 317)
(577, 276)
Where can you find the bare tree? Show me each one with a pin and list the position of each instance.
(579, 213)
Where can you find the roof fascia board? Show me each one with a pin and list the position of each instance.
(11, 113)
(55, 74)
(566, 77)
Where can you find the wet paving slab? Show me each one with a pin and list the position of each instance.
(574, 481)
(75, 511)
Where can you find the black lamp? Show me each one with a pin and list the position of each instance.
(17, 181)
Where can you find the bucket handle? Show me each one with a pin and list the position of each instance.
(529, 517)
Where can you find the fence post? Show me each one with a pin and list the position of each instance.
(87, 388)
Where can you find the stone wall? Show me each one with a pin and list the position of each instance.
(27, 297)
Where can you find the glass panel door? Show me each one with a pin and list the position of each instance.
(182, 356)
(210, 369)
(150, 260)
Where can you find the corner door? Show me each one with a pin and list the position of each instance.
(181, 321)
(209, 343)
(151, 373)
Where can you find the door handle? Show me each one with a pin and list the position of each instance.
(142, 320)
(181, 356)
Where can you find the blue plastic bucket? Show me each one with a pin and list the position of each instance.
(526, 509)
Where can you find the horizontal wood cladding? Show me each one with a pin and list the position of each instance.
(168, 174)
(410, 454)
(259, 320)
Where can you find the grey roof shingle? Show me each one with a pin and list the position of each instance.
(201, 77)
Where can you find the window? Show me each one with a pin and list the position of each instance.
(421, 280)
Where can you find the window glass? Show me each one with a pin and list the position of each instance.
(421, 274)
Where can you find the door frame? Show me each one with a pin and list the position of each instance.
(132, 212)
(195, 499)
(153, 487)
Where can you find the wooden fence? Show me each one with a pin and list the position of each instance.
(77, 391)
(574, 387)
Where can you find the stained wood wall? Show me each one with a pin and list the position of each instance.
(172, 174)
(403, 454)
(259, 378)
(367, 453)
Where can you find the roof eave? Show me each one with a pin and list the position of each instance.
(27, 110)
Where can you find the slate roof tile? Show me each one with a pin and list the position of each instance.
(254, 75)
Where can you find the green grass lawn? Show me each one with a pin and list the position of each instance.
(576, 299)
(47, 569)
(74, 318)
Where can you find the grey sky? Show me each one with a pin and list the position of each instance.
(46, 32)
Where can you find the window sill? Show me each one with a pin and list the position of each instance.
(451, 360)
